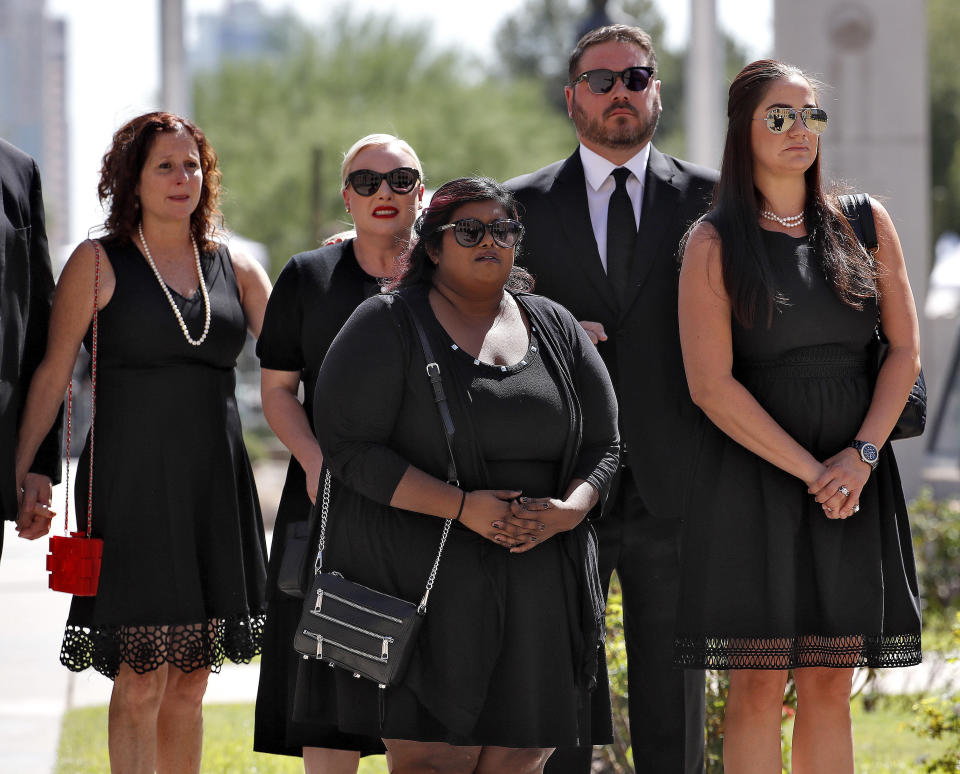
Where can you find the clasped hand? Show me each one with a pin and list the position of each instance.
(516, 522)
(843, 472)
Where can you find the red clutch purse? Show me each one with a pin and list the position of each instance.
(74, 558)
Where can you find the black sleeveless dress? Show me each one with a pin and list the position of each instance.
(769, 582)
(182, 580)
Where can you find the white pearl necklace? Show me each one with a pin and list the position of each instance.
(790, 221)
(166, 291)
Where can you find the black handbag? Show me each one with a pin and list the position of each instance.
(360, 629)
(291, 577)
(913, 418)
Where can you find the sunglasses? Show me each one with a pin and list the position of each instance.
(780, 119)
(401, 180)
(602, 80)
(469, 231)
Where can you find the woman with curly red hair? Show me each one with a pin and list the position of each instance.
(182, 580)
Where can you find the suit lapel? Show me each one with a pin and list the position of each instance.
(570, 194)
(661, 195)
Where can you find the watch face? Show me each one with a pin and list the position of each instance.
(869, 453)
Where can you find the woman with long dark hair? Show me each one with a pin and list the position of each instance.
(382, 188)
(174, 500)
(796, 552)
(501, 668)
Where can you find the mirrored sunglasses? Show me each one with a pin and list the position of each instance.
(366, 182)
(469, 232)
(780, 119)
(602, 80)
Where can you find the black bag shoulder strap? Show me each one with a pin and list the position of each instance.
(857, 209)
(439, 396)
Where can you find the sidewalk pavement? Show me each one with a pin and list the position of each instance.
(35, 690)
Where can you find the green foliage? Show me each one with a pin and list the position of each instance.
(268, 118)
(939, 719)
(936, 541)
(617, 758)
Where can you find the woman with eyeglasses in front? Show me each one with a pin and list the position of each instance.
(382, 188)
(796, 548)
(507, 653)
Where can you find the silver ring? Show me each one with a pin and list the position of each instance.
(856, 507)
(843, 490)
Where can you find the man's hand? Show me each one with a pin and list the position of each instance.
(594, 330)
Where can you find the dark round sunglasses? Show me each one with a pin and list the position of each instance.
(602, 80)
(401, 180)
(780, 119)
(469, 231)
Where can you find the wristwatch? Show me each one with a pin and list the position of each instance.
(867, 451)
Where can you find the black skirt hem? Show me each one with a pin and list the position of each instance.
(202, 645)
(798, 651)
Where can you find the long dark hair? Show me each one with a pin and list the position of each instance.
(123, 163)
(737, 204)
(415, 266)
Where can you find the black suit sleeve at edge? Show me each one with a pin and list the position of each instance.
(600, 443)
(47, 459)
(358, 396)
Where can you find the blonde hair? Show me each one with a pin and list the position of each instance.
(371, 141)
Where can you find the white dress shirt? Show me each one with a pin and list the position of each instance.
(598, 174)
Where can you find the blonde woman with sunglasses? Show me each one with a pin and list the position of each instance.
(797, 552)
(382, 188)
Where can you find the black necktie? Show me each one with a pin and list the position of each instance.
(621, 234)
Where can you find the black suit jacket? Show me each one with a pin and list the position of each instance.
(26, 292)
(642, 353)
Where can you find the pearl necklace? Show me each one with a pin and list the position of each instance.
(790, 221)
(166, 291)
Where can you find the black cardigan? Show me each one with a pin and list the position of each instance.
(374, 416)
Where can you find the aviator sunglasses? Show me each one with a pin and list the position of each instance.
(469, 231)
(602, 80)
(780, 119)
(366, 182)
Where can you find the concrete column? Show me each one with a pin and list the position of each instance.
(174, 86)
(705, 125)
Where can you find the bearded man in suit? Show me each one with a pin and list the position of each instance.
(603, 230)
(26, 293)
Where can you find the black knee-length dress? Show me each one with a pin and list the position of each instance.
(315, 294)
(769, 582)
(508, 650)
(174, 498)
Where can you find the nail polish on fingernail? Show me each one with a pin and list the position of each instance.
(497, 525)
(543, 527)
(524, 499)
(533, 539)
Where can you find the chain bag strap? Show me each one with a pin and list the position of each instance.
(357, 628)
(913, 418)
(74, 558)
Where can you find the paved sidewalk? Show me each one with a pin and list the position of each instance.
(35, 690)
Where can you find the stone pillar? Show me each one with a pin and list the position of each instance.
(705, 124)
(174, 87)
(872, 57)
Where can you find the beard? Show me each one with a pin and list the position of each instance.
(623, 134)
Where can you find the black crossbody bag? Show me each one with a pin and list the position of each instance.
(913, 418)
(351, 626)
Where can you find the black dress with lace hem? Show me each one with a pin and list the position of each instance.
(182, 579)
(769, 582)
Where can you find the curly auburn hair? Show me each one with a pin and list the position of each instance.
(124, 162)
